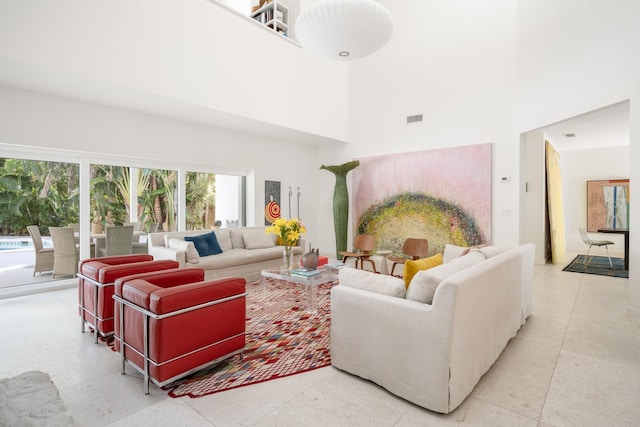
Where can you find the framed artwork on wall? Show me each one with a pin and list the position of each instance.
(271, 201)
(607, 204)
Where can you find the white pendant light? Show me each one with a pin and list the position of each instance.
(344, 29)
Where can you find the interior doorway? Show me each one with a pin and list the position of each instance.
(593, 145)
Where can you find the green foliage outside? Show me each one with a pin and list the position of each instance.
(46, 194)
(42, 193)
(200, 196)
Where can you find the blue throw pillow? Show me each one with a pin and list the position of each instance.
(206, 244)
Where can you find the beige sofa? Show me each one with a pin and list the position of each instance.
(431, 353)
(245, 251)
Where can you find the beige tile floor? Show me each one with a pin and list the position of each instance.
(575, 363)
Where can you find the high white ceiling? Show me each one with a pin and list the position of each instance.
(606, 127)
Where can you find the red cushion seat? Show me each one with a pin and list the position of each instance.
(192, 323)
(96, 277)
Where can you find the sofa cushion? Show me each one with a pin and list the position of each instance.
(206, 244)
(424, 284)
(241, 257)
(411, 267)
(168, 236)
(257, 239)
(224, 238)
(188, 247)
(452, 251)
(368, 281)
(490, 251)
(237, 241)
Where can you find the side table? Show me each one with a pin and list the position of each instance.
(383, 267)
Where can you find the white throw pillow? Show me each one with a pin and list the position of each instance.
(189, 248)
(452, 252)
(491, 251)
(424, 284)
(257, 239)
(368, 281)
(168, 237)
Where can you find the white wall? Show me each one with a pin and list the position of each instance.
(488, 72)
(31, 119)
(578, 167)
(194, 52)
(574, 57)
(456, 66)
(479, 72)
(535, 228)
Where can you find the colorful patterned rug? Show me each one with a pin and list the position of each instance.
(598, 265)
(282, 340)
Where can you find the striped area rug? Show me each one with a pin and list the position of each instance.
(282, 340)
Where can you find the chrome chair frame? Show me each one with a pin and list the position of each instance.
(147, 316)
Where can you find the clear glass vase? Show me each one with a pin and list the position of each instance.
(287, 258)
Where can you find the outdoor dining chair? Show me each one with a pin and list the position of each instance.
(44, 256)
(65, 251)
(119, 241)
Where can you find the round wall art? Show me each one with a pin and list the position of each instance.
(419, 216)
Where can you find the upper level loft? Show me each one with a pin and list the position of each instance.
(276, 15)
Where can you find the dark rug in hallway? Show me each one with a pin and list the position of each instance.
(598, 265)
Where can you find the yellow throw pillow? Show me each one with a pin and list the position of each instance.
(411, 267)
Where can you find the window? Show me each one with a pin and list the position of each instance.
(129, 194)
(49, 193)
(213, 200)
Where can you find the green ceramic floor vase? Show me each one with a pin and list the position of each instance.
(341, 203)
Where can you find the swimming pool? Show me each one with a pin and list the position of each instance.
(21, 243)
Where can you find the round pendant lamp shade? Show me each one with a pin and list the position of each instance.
(344, 29)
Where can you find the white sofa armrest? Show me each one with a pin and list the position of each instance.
(161, 252)
(399, 344)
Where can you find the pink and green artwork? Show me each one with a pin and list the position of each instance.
(441, 195)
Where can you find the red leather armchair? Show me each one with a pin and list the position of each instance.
(173, 323)
(96, 285)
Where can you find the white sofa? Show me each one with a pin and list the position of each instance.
(431, 354)
(245, 252)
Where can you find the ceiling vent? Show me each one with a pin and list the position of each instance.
(414, 119)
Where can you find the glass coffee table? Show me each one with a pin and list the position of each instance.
(310, 283)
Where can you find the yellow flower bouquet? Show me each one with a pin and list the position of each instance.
(288, 232)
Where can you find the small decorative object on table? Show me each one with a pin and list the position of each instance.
(305, 272)
(289, 231)
(335, 266)
(310, 259)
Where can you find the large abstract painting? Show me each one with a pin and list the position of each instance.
(442, 195)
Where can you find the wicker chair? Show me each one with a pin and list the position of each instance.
(119, 241)
(65, 251)
(44, 256)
